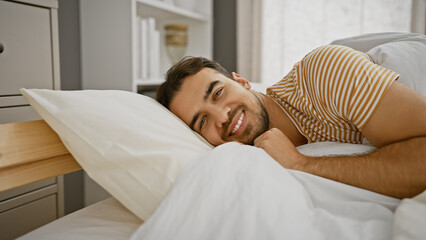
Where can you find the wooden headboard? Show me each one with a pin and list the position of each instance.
(30, 152)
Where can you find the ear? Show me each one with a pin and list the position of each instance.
(241, 80)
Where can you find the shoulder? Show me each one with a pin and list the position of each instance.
(331, 49)
(330, 52)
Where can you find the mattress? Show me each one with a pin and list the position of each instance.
(107, 219)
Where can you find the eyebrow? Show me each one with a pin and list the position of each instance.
(194, 119)
(210, 89)
(206, 95)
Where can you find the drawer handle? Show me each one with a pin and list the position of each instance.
(1, 47)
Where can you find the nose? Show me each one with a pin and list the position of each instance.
(220, 115)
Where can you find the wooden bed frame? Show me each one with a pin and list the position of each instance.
(30, 152)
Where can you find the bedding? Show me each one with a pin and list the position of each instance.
(126, 141)
(239, 192)
(412, 68)
(366, 42)
(404, 53)
(107, 219)
(410, 219)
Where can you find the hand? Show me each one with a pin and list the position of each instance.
(280, 148)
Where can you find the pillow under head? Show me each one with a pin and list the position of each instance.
(128, 143)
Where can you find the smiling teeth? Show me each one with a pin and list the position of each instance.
(237, 126)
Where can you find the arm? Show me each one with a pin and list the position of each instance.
(397, 168)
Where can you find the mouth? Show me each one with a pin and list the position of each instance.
(237, 124)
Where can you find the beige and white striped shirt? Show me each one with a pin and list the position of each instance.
(332, 92)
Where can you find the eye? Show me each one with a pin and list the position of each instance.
(217, 93)
(202, 122)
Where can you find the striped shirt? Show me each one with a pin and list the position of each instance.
(332, 93)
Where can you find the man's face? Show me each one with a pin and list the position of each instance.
(220, 109)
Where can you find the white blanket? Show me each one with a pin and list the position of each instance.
(240, 192)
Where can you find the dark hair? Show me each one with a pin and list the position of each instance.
(188, 66)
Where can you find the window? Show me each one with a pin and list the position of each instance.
(281, 32)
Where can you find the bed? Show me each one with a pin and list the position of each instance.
(178, 187)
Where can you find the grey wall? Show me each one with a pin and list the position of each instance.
(225, 34)
(69, 50)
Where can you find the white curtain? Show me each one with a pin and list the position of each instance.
(272, 35)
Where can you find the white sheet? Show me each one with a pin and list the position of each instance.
(107, 219)
(410, 219)
(239, 192)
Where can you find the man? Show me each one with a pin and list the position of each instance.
(333, 94)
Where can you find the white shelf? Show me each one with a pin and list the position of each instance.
(110, 38)
(199, 24)
(151, 8)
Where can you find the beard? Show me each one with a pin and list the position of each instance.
(253, 129)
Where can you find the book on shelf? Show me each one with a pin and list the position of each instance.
(149, 49)
(143, 49)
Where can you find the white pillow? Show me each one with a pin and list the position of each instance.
(128, 143)
(403, 53)
(407, 57)
(333, 149)
(365, 42)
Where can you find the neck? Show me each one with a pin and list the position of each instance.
(279, 119)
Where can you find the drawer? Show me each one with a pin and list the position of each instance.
(23, 219)
(25, 32)
(23, 199)
(11, 101)
(25, 189)
(18, 114)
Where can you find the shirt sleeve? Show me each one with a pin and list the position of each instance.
(345, 84)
